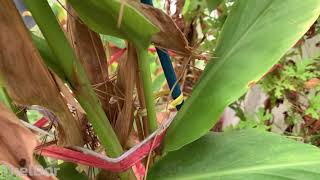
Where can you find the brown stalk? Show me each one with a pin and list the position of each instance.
(90, 51)
(142, 103)
(127, 70)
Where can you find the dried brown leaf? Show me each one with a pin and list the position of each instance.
(25, 76)
(312, 83)
(170, 36)
(126, 80)
(90, 51)
(17, 144)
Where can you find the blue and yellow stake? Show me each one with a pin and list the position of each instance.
(169, 73)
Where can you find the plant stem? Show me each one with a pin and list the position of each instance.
(76, 76)
(144, 69)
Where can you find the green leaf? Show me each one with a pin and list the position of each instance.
(191, 5)
(67, 171)
(158, 82)
(120, 43)
(213, 4)
(4, 98)
(237, 155)
(33, 116)
(186, 7)
(7, 173)
(102, 16)
(58, 11)
(255, 36)
(314, 105)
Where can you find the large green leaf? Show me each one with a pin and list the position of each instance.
(255, 36)
(103, 15)
(246, 154)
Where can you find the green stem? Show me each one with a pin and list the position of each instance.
(75, 75)
(144, 69)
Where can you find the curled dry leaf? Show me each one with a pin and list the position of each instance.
(17, 144)
(170, 36)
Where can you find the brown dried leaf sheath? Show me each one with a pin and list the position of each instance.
(90, 51)
(17, 143)
(126, 79)
(25, 76)
(170, 36)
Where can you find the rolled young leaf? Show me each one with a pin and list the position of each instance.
(136, 22)
(106, 17)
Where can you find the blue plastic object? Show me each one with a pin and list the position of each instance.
(147, 2)
(168, 68)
